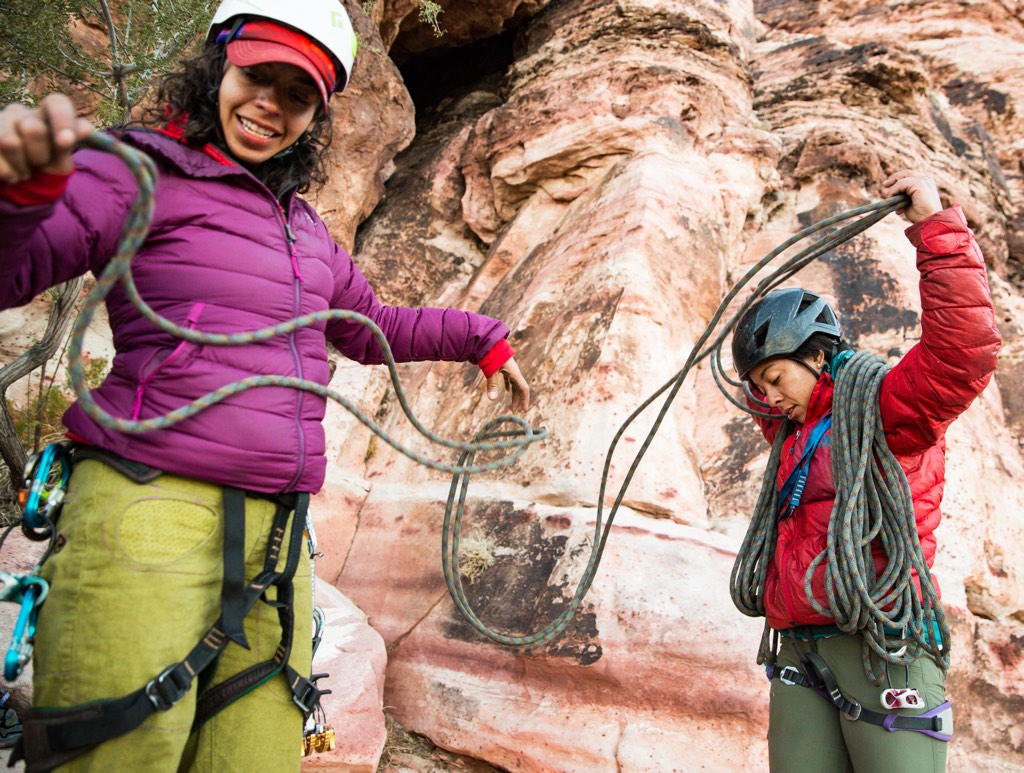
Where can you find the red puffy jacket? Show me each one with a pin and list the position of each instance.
(923, 393)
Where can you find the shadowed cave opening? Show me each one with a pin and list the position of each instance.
(442, 74)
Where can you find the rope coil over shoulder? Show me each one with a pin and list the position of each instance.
(873, 507)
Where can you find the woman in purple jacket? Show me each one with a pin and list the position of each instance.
(157, 525)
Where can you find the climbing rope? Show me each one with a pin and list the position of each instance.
(495, 436)
(514, 438)
(862, 219)
(866, 216)
(119, 270)
(873, 507)
(887, 609)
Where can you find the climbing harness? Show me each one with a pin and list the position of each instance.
(936, 722)
(814, 673)
(52, 737)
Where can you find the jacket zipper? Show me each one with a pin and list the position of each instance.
(290, 239)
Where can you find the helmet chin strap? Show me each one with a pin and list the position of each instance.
(816, 371)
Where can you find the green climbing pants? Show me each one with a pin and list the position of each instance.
(807, 734)
(134, 584)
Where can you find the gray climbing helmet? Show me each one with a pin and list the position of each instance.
(779, 324)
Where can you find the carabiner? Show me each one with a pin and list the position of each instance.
(41, 501)
(33, 592)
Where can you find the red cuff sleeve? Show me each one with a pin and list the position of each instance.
(499, 354)
(43, 188)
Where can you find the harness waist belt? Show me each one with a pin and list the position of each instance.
(937, 722)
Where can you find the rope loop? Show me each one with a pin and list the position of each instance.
(118, 270)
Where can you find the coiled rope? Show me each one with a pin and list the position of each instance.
(868, 216)
(873, 507)
(119, 270)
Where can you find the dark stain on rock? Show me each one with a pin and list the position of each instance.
(601, 310)
(864, 291)
(517, 594)
(965, 91)
(958, 145)
(745, 443)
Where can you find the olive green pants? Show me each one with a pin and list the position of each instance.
(134, 585)
(807, 734)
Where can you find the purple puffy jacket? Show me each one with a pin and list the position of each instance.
(222, 256)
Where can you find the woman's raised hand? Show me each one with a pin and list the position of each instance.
(924, 194)
(39, 138)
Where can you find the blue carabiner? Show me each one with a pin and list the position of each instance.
(42, 502)
(32, 591)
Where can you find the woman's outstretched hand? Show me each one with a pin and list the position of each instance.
(39, 138)
(514, 382)
(924, 194)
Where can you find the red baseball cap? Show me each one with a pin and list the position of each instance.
(259, 41)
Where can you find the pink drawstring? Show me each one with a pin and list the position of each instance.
(295, 266)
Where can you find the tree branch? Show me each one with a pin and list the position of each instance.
(61, 315)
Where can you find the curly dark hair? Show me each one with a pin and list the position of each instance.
(191, 92)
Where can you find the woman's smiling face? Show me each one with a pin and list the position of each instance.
(787, 384)
(265, 108)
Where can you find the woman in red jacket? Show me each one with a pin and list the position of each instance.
(176, 633)
(832, 708)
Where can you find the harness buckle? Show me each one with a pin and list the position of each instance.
(307, 695)
(852, 711)
(789, 675)
(163, 691)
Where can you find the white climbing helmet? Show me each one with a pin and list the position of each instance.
(323, 21)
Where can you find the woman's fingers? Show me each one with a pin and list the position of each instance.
(39, 138)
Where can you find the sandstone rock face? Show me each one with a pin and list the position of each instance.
(353, 655)
(601, 192)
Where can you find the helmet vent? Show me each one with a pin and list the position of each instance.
(761, 334)
(807, 301)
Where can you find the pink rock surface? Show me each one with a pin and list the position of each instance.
(353, 655)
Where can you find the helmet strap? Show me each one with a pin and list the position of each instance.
(817, 373)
